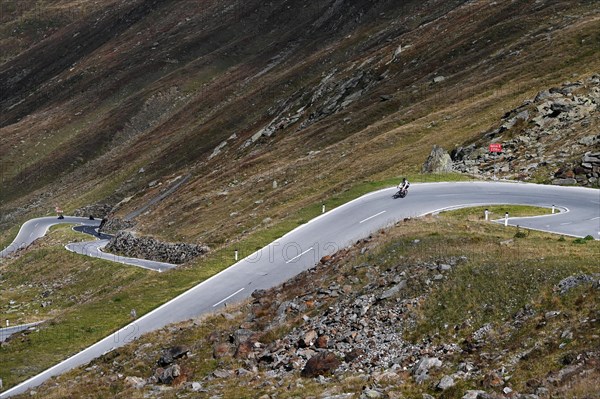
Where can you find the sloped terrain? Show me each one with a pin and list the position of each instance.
(473, 312)
(552, 138)
(230, 122)
(240, 95)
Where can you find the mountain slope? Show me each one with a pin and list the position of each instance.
(227, 123)
(160, 85)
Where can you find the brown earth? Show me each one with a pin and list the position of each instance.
(114, 102)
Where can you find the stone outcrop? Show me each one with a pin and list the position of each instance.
(553, 137)
(114, 225)
(438, 161)
(172, 354)
(127, 244)
(98, 211)
(359, 331)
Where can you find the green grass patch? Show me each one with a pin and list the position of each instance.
(497, 212)
(108, 305)
(499, 279)
(489, 287)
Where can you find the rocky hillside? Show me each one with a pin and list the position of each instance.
(127, 244)
(264, 107)
(393, 316)
(553, 137)
(229, 123)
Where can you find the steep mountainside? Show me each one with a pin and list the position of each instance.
(115, 103)
(226, 123)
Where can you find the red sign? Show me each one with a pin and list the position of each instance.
(495, 147)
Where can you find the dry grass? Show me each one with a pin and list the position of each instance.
(221, 94)
(504, 279)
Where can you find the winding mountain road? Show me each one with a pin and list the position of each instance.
(303, 247)
(36, 228)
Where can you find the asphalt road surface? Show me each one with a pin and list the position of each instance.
(8, 331)
(303, 247)
(94, 249)
(36, 228)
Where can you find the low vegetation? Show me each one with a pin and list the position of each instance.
(501, 309)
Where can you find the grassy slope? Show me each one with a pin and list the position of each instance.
(382, 139)
(83, 311)
(503, 278)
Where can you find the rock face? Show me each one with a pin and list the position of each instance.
(126, 244)
(97, 210)
(553, 137)
(114, 225)
(439, 161)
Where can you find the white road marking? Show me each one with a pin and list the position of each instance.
(566, 223)
(297, 256)
(223, 300)
(595, 218)
(371, 217)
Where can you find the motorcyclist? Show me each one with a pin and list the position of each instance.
(404, 185)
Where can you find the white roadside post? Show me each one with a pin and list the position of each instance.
(235, 255)
(553, 209)
(323, 209)
(487, 215)
(506, 219)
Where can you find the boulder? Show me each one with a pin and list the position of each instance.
(169, 355)
(321, 364)
(393, 291)
(322, 342)
(135, 382)
(168, 375)
(473, 394)
(353, 355)
(420, 370)
(445, 383)
(589, 140)
(222, 373)
(591, 157)
(244, 350)
(308, 339)
(439, 161)
(566, 284)
(564, 182)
